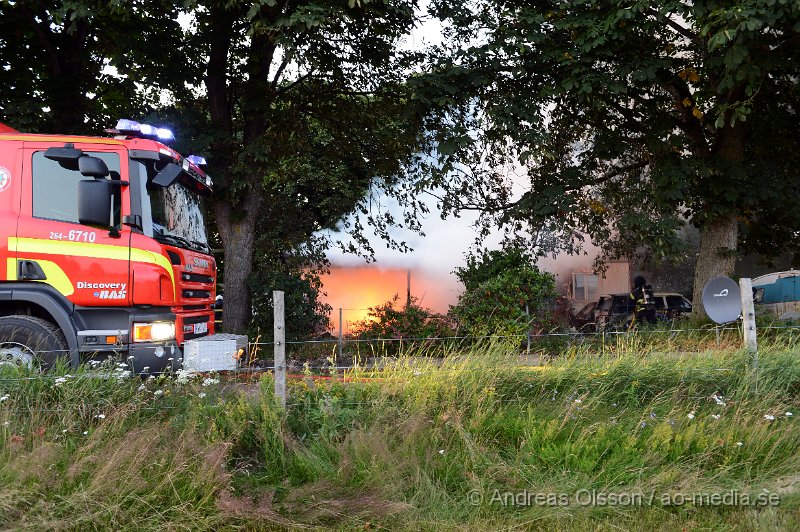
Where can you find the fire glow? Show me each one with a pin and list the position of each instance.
(356, 289)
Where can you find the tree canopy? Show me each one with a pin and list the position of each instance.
(77, 67)
(298, 106)
(303, 115)
(622, 121)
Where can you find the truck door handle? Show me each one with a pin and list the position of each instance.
(29, 270)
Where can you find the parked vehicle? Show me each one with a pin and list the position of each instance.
(670, 306)
(615, 311)
(779, 293)
(103, 247)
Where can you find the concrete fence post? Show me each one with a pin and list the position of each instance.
(280, 346)
(749, 318)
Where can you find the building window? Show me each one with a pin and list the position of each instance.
(55, 188)
(585, 286)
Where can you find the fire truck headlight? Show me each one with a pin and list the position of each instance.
(158, 331)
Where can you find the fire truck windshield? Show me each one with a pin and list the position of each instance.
(177, 217)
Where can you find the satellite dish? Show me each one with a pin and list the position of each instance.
(722, 300)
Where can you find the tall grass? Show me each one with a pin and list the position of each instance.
(410, 445)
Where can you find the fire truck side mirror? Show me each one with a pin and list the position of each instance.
(67, 156)
(92, 166)
(167, 175)
(94, 202)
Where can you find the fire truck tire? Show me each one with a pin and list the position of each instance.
(30, 341)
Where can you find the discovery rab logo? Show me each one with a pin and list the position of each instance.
(5, 179)
(105, 290)
(724, 293)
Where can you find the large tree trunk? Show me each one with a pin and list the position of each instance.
(719, 236)
(717, 257)
(237, 229)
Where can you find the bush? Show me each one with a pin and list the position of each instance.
(407, 322)
(498, 287)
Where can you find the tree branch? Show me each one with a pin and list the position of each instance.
(674, 25)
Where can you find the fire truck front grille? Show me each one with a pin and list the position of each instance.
(196, 294)
(196, 278)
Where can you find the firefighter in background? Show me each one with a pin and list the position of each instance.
(643, 300)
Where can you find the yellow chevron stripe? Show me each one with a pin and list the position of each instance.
(11, 269)
(85, 249)
(55, 275)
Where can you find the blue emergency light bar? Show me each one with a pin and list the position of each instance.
(196, 160)
(133, 128)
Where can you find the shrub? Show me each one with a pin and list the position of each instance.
(498, 287)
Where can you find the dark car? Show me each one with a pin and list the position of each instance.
(670, 306)
(615, 311)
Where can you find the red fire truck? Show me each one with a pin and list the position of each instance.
(103, 249)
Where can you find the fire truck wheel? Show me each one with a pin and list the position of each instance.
(30, 341)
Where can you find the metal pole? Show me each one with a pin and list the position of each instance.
(716, 328)
(280, 346)
(528, 328)
(408, 289)
(341, 336)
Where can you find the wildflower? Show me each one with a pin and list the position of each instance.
(183, 376)
(671, 423)
(4, 398)
(7, 423)
(739, 444)
(64, 431)
(60, 380)
(691, 415)
(613, 404)
(416, 374)
(441, 451)
(85, 432)
(717, 399)
(716, 416)
(208, 381)
(141, 388)
(643, 424)
(100, 416)
(789, 414)
(578, 401)
(652, 415)
(201, 395)
(769, 417)
(158, 392)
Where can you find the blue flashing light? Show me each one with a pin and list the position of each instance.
(164, 134)
(128, 126)
(135, 129)
(196, 160)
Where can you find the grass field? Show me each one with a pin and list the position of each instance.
(612, 441)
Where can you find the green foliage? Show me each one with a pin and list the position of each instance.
(408, 445)
(55, 59)
(626, 119)
(303, 116)
(498, 286)
(306, 315)
(392, 320)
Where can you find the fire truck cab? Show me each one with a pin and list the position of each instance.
(103, 249)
